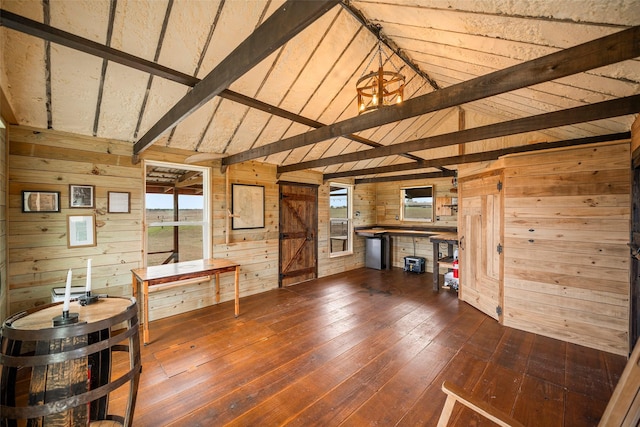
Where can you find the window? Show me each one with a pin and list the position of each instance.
(417, 204)
(340, 219)
(177, 213)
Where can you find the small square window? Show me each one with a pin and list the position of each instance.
(417, 203)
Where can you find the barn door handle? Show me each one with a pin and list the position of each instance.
(461, 244)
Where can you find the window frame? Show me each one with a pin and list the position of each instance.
(403, 206)
(207, 240)
(349, 236)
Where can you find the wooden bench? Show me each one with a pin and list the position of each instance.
(622, 410)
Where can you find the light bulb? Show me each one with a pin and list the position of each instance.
(399, 99)
(374, 100)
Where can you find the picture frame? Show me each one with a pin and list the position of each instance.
(247, 203)
(81, 196)
(40, 201)
(118, 202)
(81, 231)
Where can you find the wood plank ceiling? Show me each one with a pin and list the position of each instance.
(275, 81)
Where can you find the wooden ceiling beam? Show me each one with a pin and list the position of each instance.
(604, 51)
(63, 38)
(284, 24)
(263, 106)
(426, 175)
(477, 157)
(586, 113)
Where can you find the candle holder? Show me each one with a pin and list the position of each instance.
(87, 299)
(65, 319)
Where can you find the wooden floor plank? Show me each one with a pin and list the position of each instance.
(363, 365)
(547, 360)
(390, 402)
(513, 350)
(360, 348)
(587, 372)
(540, 403)
(583, 411)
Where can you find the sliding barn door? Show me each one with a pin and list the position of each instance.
(480, 248)
(298, 233)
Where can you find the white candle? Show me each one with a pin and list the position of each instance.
(88, 289)
(67, 293)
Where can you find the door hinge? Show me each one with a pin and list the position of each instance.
(499, 185)
(499, 311)
(499, 248)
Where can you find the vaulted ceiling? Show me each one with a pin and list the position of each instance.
(275, 81)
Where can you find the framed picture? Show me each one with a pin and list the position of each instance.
(81, 231)
(247, 203)
(118, 202)
(40, 201)
(81, 196)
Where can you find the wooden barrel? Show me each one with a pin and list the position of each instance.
(62, 375)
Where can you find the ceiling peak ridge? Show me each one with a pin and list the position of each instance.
(510, 15)
(376, 29)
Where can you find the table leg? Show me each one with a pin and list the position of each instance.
(387, 254)
(134, 286)
(145, 312)
(217, 287)
(237, 290)
(436, 267)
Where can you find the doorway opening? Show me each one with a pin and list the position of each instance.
(177, 213)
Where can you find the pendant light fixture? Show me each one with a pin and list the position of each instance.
(379, 88)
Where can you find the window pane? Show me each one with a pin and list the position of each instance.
(160, 244)
(339, 235)
(159, 201)
(338, 202)
(340, 221)
(418, 203)
(190, 207)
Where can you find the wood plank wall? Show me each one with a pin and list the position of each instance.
(566, 262)
(38, 257)
(3, 221)
(566, 258)
(635, 137)
(364, 201)
(388, 213)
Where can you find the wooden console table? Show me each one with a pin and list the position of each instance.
(176, 274)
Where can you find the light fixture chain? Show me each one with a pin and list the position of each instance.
(364, 70)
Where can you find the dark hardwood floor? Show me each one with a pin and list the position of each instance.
(366, 347)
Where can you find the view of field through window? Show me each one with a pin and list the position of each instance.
(418, 204)
(161, 238)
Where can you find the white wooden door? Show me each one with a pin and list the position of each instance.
(479, 234)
